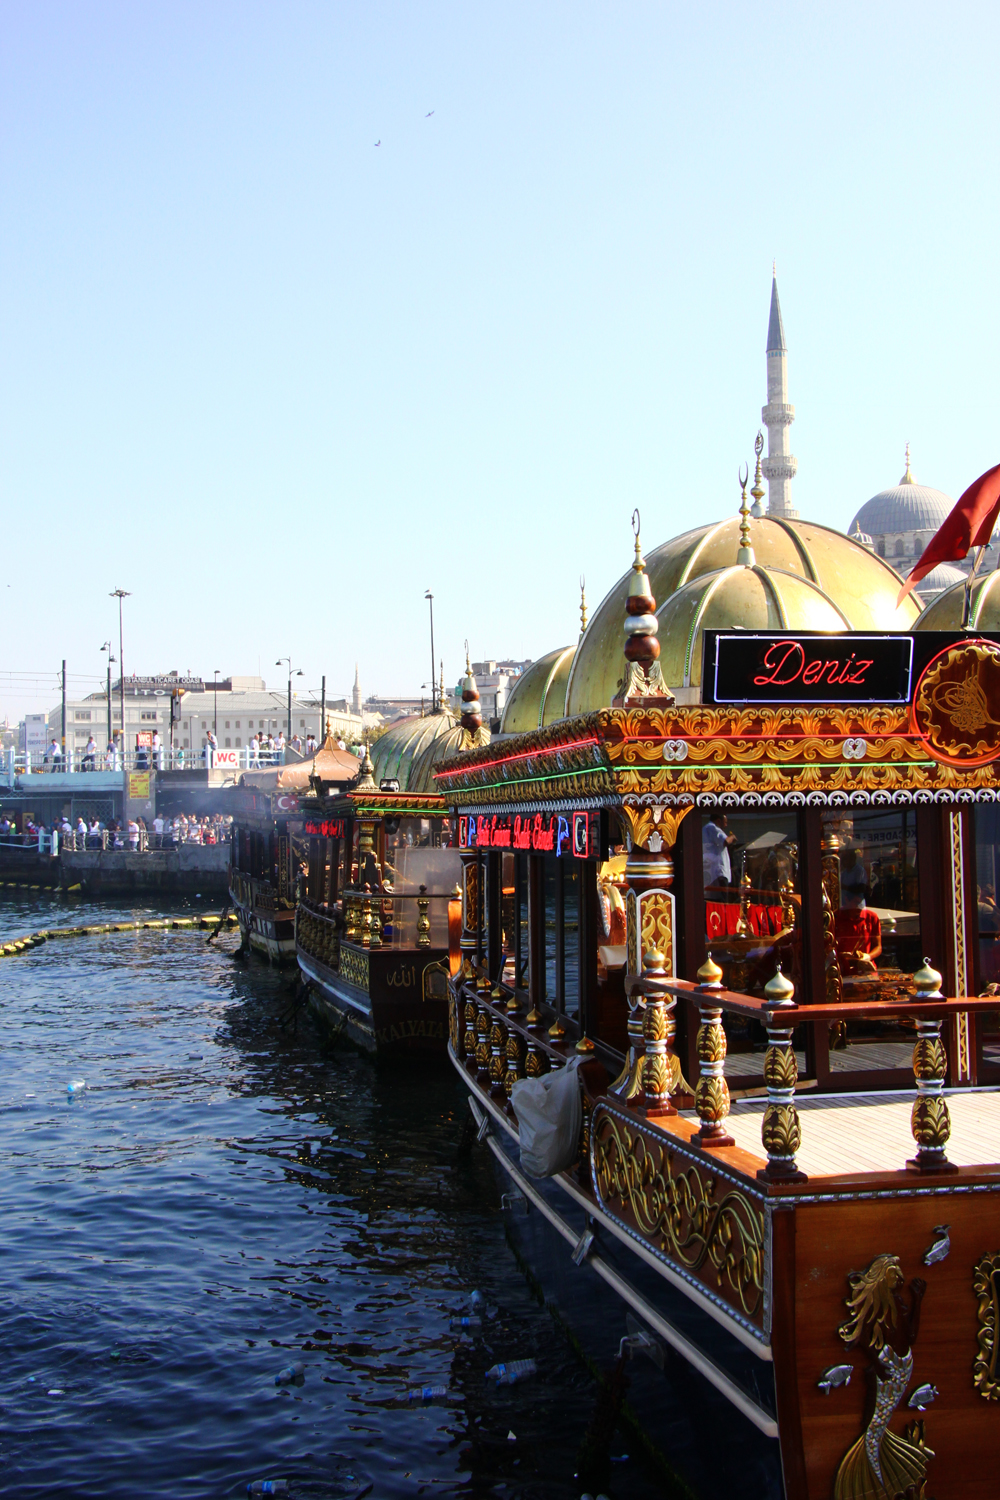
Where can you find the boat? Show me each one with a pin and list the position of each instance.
(383, 904)
(266, 852)
(753, 906)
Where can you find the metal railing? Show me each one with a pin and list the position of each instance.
(15, 763)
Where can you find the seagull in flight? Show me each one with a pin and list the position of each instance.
(428, 114)
(378, 143)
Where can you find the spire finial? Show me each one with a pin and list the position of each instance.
(583, 603)
(468, 664)
(639, 564)
(758, 489)
(745, 555)
(774, 269)
(908, 476)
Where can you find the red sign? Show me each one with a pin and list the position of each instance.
(538, 833)
(326, 828)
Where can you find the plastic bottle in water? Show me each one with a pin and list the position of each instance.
(477, 1302)
(285, 1377)
(426, 1393)
(268, 1487)
(76, 1086)
(511, 1373)
(471, 1325)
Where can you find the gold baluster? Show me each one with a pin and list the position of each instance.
(515, 1061)
(658, 1029)
(470, 1033)
(375, 909)
(711, 1094)
(780, 1131)
(423, 920)
(498, 1058)
(929, 1118)
(482, 1045)
(537, 1062)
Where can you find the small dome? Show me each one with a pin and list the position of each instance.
(395, 753)
(862, 586)
(539, 695)
(945, 612)
(422, 768)
(753, 598)
(944, 576)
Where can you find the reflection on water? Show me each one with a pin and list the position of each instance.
(226, 1198)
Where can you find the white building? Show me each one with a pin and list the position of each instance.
(239, 708)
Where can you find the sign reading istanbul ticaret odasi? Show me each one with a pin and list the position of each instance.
(786, 666)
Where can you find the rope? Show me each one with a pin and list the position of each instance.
(35, 939)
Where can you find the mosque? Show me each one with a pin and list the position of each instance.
(762, 569)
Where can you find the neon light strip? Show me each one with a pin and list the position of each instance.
(526, 780)
(506, 760)
(691, 739)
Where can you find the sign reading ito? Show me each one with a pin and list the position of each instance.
(785, 666)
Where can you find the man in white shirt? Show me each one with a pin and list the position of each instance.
(310, 743)
(279, 746)
(89, 754)
(157, 750)
(158, 832)
(133, 834)
(715, 845)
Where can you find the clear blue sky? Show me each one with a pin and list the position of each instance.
(278, 381)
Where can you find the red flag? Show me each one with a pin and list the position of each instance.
(969, 524)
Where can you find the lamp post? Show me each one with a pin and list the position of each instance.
(121, 594)
(288, 660)
(215, 704)
(107, 647)
(430, 599)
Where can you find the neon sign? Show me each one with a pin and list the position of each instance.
(805, 667)
(571, 833)
(326, 828)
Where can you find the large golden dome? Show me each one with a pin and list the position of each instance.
(539, 695)
(748, 598)
(859, 588)
(395, 754)
(945, 612)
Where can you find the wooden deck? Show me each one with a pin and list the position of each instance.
(868, 1133)
(859, 1057)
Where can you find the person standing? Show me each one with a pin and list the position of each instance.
(211, 745)
(279, 746)
(89, 754)
(716, 841)
(157, 750)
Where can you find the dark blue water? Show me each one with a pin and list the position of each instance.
(227, 1197)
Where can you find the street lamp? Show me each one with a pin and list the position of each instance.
(215, 708)
(288, 660)
(107, 647)
(430, 598)
(121, 594)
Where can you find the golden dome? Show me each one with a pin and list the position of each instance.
(751, 598)
(395, 754)
(539, 695)
(945, 612)
(860, 587)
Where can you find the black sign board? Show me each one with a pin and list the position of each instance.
(571, 833)
(801, 666)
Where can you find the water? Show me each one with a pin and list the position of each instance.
(226, 1199)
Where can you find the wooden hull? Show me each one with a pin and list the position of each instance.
(399, 1006)
(267, 932)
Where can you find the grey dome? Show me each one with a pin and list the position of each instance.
(905, 507)
(944, 576)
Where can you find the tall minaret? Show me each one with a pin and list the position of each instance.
(356, 695)
(779, 466)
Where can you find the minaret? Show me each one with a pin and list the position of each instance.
(779, 467)
(356, 695)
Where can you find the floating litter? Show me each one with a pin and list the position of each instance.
(76, 1086)
(55, 1392)
(511, 1437)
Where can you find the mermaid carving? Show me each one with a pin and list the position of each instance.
(882, 1465)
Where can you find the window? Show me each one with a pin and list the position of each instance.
(900, 547)
(229, 745)
(186, 745)
(148, 714)
(870, 879)
(227, 726)
(237, 726)
(82, 713)
(204, 724)
(302, 723)
(239, 742)
(750, 866)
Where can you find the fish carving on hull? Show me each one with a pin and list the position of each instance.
(883, 1464)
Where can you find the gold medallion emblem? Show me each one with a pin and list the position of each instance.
(956, 708)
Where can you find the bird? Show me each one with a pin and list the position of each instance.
(378, 143)
(940, 1247)
(428, 114)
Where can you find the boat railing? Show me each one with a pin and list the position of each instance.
(499, 1043)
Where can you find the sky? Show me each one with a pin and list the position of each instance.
(277, 380)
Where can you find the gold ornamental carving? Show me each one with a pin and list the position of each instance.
(657, 922)
(986, 1286)
(953, 703)
(780, 1130)
(687, 1213)
(883, 1464)
(354, 967)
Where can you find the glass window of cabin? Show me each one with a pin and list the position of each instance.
(870, 881)
(562, 967)
(750, 866)
(987, 881)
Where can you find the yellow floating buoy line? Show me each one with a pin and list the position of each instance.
(166, 924)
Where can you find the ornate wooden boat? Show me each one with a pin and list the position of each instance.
(382, 907)
(788, 1172)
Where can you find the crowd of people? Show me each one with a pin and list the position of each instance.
(262, 750)
(158, 833)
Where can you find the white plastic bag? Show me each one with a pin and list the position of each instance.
(549, 1116)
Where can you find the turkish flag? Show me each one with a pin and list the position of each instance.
(969, 524)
